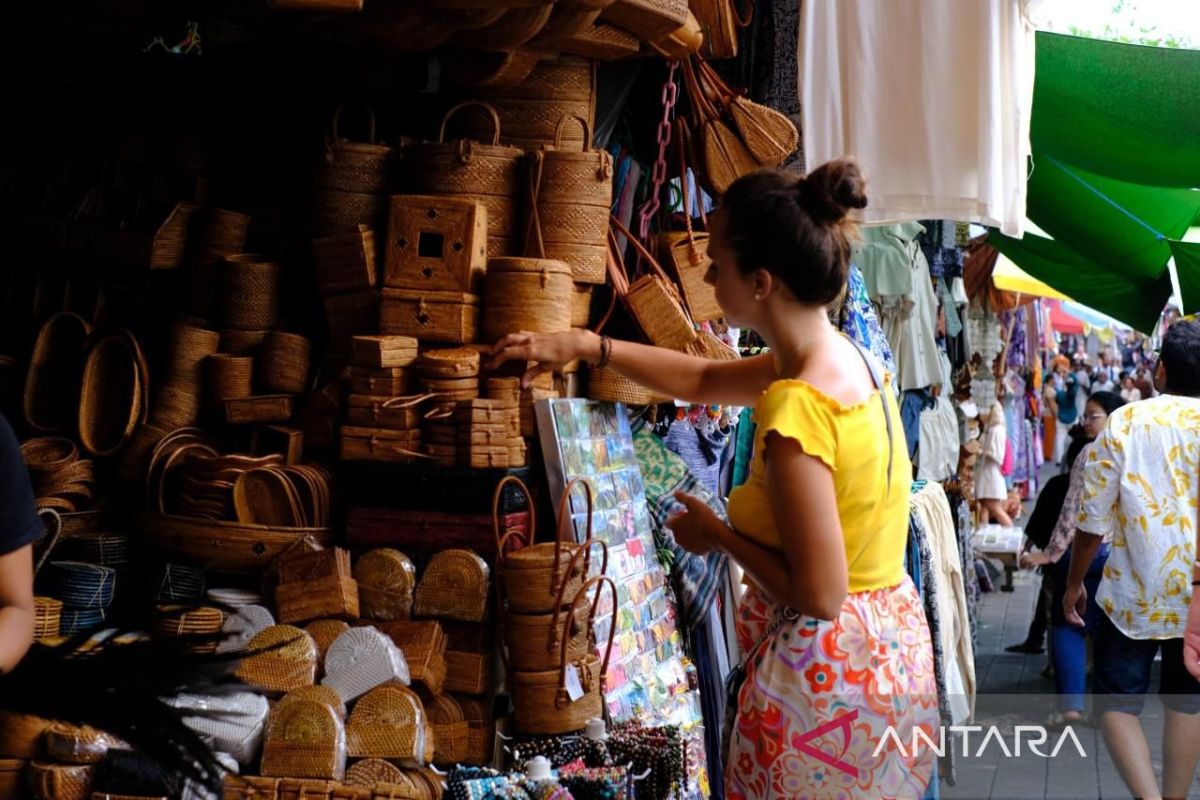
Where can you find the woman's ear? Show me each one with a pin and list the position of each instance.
(763, 283)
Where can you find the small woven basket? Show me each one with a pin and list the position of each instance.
(174, 407)
(21, 735)
(304, 739)
(283, 363)
(526, 294)
(350, 166)
(424, 648)
(78, 744)
(609, 386)
(390, 723)
(342, 212)
(324, 632)
(314, 694)
(50, 781)
(456, 585)
(451, 733)
(227, 377)
(386, 582)
(188, 347)
(282, 658)
(249, 292)
(371, 771)
(111, 399)
(224, 234)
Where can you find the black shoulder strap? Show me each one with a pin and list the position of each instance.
(877, 379)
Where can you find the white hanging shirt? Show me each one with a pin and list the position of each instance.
(932, 96)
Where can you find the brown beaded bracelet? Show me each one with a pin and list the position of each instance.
(605, 352)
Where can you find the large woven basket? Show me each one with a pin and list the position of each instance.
(187, 348)
(526, 294)
(455, 585)
(227, 377)
(541, 700)
(390, 723)
(334, 212)
(112, 401)
(533, 577)
(386, 582)
(250, 292)
(304, 739)
(283, 363)
(487, 173)
(53, 380)
(451, 733)
(351, 166)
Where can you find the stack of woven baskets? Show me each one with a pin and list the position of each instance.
(61, 479)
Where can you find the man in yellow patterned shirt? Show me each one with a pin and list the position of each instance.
(1140, 485)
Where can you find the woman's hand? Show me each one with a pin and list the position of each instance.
(544, 352)
(697, 528)
(1029, 560)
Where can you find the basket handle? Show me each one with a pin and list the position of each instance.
(743, 19)
(337, 119)
(653, 262)
(477, 104)
(407, 401)
(584, 550)
(612, 631)
(563, 520)
(561, 126)
(497, 496)
(533, 229)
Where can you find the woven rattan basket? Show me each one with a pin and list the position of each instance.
(315, 694)
(52, 382)
(174, 408)
(324, 632)
(516, 27)
(304, 739)
(112, 400)
(390, 723)
(371, 771)
(424, 648)
(451, 733)
(187, 348)
(242, 343)
(224, 233)
(610, 386)
(249, 291)
(481, 729)
(343, 212)
(283, 363)
(386, 582)
(227, 377)
(48, 781)
(648, 19)
(21, 735)
(487, 173)
(12, 777)
(541, 700)
(526, 294)
(533, 641)
(351, 166)
(532, 578)
(456, 585)
(282, 658)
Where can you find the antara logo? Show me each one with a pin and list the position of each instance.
(1037, 736)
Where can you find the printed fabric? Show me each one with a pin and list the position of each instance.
(697, 579)
(1139, 484)
(820, 695)
(860, 322)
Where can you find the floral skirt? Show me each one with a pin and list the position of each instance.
(828, 708)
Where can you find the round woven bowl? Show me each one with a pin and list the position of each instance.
(526, 294)
(283, 363)
(225, 377)
(189, 346)
(53, 380)
(249, 292)
(242, 343)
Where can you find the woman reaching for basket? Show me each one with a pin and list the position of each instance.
(833, 630)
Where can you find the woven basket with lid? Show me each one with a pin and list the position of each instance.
(353, 166)
(282, 658)
(249, 292)
(304, 739)
(526, 294)
(386, 582)
(456, 585)
(390, 723)
(315, 694)
(488, 173)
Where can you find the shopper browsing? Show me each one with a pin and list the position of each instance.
(19, 528)
(1065, 384)
(821, 525)
(1129, 392)
(1140, 487)
(990, 488)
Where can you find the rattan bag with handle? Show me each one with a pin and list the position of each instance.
(304, 739)
(533, 640)
(532, 577)
(721, 154)
(768, 135)
(455, 585)
(562, 700)
(688, 252)
(654, 301)
(390, 723)
(350, 166)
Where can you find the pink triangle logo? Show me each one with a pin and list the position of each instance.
(842, 722)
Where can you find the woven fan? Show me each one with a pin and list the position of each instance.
(281, 658)
(324, 632)
(386, 579)
(388, 722)
(242, 625)
(361, 659)
(304, 740)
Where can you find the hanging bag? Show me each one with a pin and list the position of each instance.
(688, 252)
(769, 135)
(654, 301)
(720, 21)
(723, 155)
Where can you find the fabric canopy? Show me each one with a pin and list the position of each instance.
(1116, 154)
(1062, 321)
(1008, 277)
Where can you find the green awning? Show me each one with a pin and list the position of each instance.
(1187, 266)
(1115, 135)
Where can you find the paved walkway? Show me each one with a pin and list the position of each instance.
(1004, 620)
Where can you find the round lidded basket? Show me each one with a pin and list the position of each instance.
(449, 363)
(353, 166)
(537, 576)
(283, 363)
(575, 176)
(456, 585)
(249, 292)
(526, 294)
(227, 376)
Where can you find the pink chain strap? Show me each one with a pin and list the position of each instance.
(670, 94)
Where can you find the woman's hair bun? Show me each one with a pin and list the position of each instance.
(832, 189)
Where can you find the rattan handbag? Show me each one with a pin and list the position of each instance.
(721, 153)
(350, 166)
(720, 21)
(769, 135)
(390, 723)
(562, 700)
(688, 251)
(455, 585)
(654, 300)
(386, 581)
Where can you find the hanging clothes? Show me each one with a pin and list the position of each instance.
(933, 507)
(897, 280)
(867, 73)
(859, 321)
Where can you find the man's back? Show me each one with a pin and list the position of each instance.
(1140, 484)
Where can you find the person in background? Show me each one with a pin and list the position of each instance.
(1103, 381)
(1129, 392)
(20, 526)
(1069, 650)
(1065, 388)
(1144, 381)
(821, 524)
(1140, 488)
(1083, 383)
(990, 488)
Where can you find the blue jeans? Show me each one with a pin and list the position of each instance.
(1070, 643)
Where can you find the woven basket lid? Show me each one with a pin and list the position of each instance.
(371, 771)
(241, 626)
(325, 632)
(456, 569)
(304, 722)
(315, 694)
(361, 659)
(528, 265)
(386, 569)
(285, 648)
(444, 710)
(388, 706)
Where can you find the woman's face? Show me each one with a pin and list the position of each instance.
(1128, 382)
(1094, 419)
(735, 291)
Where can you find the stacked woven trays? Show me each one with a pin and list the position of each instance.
(61, 479)
(85, 590)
